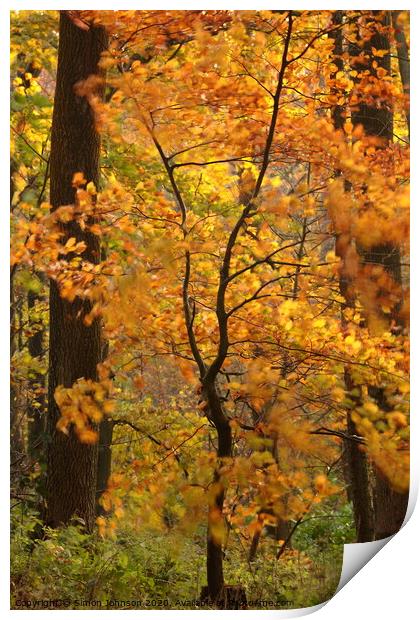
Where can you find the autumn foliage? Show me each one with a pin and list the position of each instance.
(243, 323)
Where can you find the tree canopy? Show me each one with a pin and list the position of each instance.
(243, 252)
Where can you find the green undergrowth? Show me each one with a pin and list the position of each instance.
(153, 570)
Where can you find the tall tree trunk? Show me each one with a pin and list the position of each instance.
(36, 406)
(16, 441)
(358, 467)
(403, 62)
(216, 524)
(75, 348)
(282, 529)
(389, 506)
(356, 460)
(106, 429)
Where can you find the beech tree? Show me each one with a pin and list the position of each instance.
(377, 120)
(357, 462)
(241, 261)
(74, 347)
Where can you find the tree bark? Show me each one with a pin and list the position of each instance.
(16, 440)
(216, 525)
(389, 506)
(356, 461)
(75, 348)
(360, 488)
(282, 529)
(36, 407)
(106, 429)
(403, 63)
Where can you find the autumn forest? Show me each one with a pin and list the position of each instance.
(209, 303)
